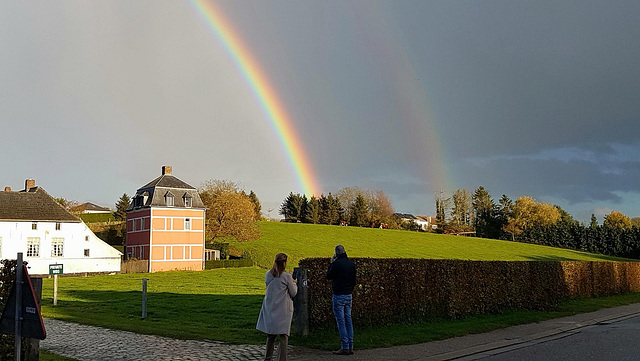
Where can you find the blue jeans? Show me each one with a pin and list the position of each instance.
(342, 311)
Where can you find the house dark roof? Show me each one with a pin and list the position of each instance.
(88, 206)
(153, 193)
(167, 181)
(34, 204)
(404, 215)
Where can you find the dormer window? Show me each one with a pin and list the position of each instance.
(168, 199)
(187, 200)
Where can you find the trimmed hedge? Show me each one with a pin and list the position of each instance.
(409, 290)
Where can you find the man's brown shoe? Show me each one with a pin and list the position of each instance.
(342, 351)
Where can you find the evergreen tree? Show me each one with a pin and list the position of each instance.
(256, 204)
(359, 211)
(121, 207)
(329, 209)
(294, 207)
(485, 213)
(505, 210)
(313, 211)
(594, 221)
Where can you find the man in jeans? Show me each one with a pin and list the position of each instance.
(342, 273)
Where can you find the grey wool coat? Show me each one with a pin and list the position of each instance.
(277, 306)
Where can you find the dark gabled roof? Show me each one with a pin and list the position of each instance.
(156, 190)
(88, 206)
(32, 205)
(167, 181)
(404, 215)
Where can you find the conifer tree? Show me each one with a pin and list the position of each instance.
(121, 207)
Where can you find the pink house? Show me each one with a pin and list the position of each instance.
(165, 225)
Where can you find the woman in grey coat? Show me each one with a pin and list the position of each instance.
(277, 307)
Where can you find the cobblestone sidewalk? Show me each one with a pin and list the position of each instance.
(89, 343)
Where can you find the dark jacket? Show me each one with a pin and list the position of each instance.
(342, 273)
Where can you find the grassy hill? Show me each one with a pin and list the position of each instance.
(300, 240)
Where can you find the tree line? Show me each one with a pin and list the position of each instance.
(349, 206)
(527, 220)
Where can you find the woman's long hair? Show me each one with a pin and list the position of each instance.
(278, 264)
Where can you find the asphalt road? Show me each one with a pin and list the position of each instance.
(616, 340)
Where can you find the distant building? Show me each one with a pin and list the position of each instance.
(89, 207)
(33, 223)
(165, 225)
(426, 223)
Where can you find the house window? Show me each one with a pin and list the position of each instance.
(57, 247)
(86, 238)
(168, 199)
(86, 252)
(187, 201)
(187, 223)
(57, 226)
(34, 225)
(33, 247)
(142, 224)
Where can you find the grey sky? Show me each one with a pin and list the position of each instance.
(524, 98)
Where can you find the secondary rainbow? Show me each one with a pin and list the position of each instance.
(265, 93)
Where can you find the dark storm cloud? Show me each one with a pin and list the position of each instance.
(573, 175)
(513, 77)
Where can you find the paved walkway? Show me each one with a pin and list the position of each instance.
(99, 344)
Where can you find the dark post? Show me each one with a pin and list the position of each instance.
(32, 345)
(144, 298)
(18, 314)
(301, 303)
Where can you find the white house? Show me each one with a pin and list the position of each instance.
(426, 223)
(33, 223)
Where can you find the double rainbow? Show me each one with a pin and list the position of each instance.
(264, 92)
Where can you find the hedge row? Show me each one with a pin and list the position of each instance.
(7, 279)
(407, 290)
(596, 239)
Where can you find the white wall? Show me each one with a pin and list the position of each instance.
(77, 237)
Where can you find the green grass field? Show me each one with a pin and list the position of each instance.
(299, 240)
(223, 304)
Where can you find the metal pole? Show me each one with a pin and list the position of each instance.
(18, 313)
(144, 298)
(55, 289)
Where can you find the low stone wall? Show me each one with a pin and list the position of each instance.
(406, 290)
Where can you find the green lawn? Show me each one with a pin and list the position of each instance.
(221, 304)
(299, 240)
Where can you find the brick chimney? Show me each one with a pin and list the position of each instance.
(7, 189)
(166, 170)
(29, 183)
